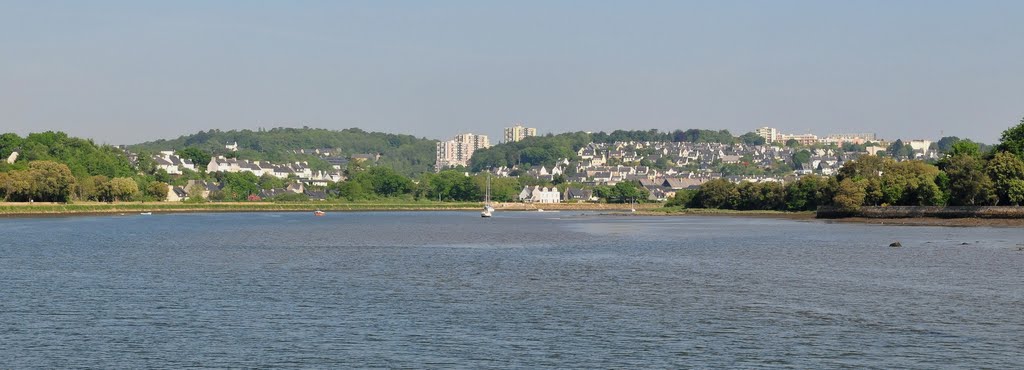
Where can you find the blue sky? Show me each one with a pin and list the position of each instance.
(131, 71)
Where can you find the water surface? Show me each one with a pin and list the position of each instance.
(449, 289)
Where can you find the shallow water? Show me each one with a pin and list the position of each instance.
(449, 289)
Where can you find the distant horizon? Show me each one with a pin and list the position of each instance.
(128, 72)
(496, 138)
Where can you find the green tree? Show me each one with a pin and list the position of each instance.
(681, 198)
(1015, 192)
(968, 183)
(4, 179)
(268, 181)
(718, 193)
(945, 144)
(52, 181)
(451, 185)
(628, 192)
(157, 190)
(1012, 140)
(18, 186)
(910, 183)
(802, 156)
(900, 150)
(162, 175)
(1004, 168)
(200, 158)
(761, 196)
(807, 193)
(870, 169)
(122, 188)
(238, 186)
(9, 142)
(850, 195)
(93, 188)
(373, 182)
(384, 181)
(351, 190)
(751, 138)
(965, 147)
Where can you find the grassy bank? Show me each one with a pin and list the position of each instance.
(16, 209)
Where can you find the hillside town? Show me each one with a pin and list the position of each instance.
(662, 168)
(666, 167)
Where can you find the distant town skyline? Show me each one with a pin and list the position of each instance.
(123, 72)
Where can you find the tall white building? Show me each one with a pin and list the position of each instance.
(518, 132)
(458, 150)
(770, 134)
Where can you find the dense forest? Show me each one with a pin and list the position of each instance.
(406, 154)
(51, 166)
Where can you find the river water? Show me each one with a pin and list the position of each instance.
(520, 290)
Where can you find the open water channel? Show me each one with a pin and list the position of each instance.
(527, 289)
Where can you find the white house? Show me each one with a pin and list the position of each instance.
(538, 194)
(172, 163)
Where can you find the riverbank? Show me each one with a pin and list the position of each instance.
(97, 208)
(726, 213)
(812, 216)
(932, 221)
(650, 209)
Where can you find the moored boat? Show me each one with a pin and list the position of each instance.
(488, 209)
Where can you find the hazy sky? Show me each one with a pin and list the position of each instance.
(130, 71)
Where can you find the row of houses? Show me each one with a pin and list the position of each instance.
(298, 170)
(172, 163)
(609, 164)
(203, 189)
(544, 194)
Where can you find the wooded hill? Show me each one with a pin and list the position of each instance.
(406, 154)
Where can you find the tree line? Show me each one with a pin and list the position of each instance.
(54, 167)
(406, 154)
(965, 176)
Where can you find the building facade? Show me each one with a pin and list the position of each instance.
(840, 139)
(803, 139)
(518, 132)
(458, 150)
(770, 134)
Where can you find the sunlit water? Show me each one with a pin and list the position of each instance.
(449, 289)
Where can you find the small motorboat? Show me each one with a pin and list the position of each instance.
(319, 213)
(146, 213)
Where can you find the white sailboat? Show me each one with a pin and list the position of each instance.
(488, 209)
